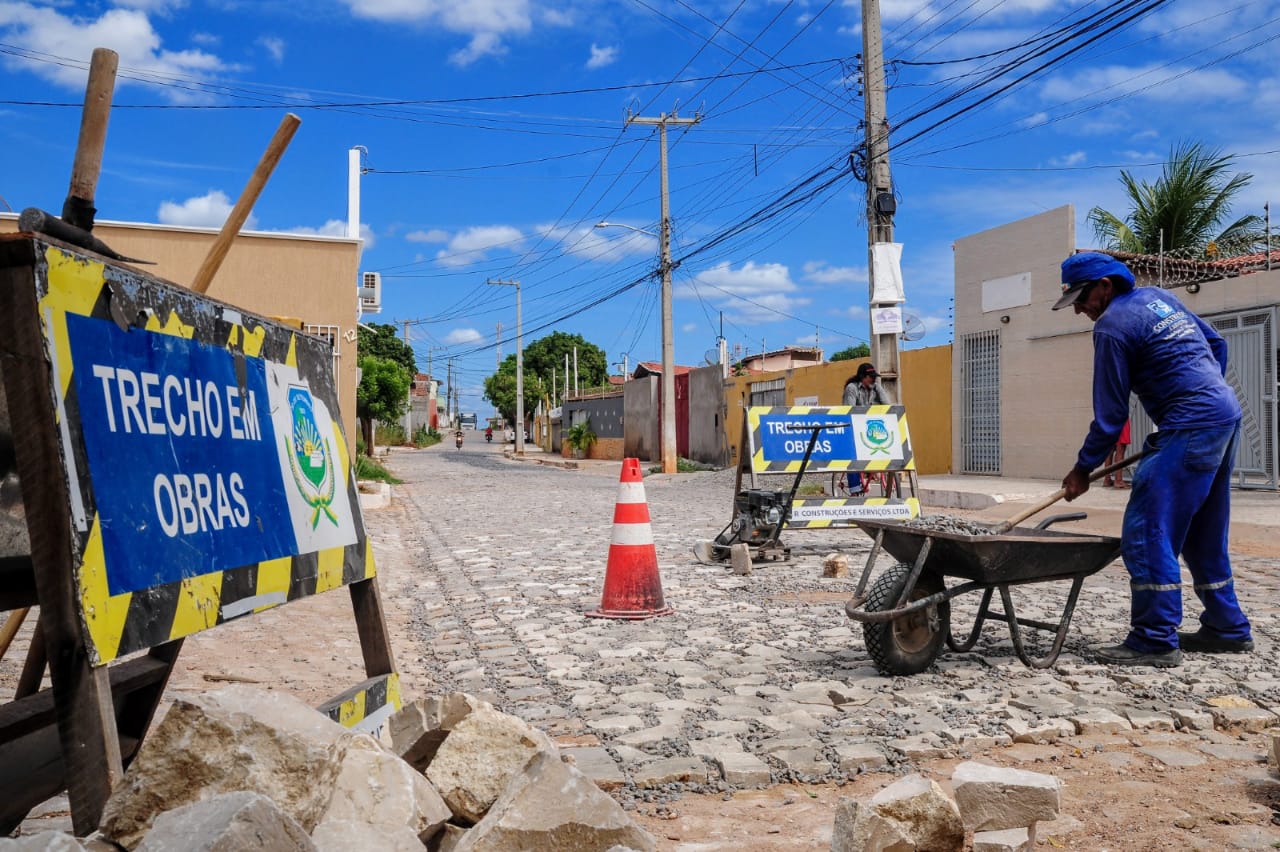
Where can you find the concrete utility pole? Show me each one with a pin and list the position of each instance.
(881, 204)
(668, 341)
(408, 409)
(448, 394)
(519, 365)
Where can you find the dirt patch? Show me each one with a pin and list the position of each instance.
(1114, 798)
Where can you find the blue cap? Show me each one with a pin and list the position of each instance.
(1086, 267)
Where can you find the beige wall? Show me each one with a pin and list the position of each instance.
(312, 279)
(926, 378)
(1046, 356)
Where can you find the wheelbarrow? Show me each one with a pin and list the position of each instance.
(906, 615)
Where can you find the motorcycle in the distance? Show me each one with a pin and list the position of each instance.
(458, 439)
(488, 436)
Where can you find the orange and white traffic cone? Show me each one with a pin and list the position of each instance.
(632, 586)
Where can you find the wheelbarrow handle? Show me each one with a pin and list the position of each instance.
(1005, 526)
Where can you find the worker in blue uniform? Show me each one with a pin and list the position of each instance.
(1147, 342)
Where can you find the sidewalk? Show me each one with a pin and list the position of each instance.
(1255, 515)
(990, 494)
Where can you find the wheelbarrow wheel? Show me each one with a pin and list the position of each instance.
(910, 643)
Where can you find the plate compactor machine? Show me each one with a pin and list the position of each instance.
(759, 514)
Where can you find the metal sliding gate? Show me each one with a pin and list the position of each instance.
(1251, 370)
(980, 395)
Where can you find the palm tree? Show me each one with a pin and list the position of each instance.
(1186, 206)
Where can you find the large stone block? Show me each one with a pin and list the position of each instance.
(229, 822)
(343, 836)
(480, 757)
(378, 788)
(552, 807)
(234, 739)
(994, 798)
(422, 725)
(1009, 840)
(912, 813)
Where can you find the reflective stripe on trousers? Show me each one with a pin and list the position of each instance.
(1180, 504)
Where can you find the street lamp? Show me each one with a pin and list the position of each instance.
(668, 342)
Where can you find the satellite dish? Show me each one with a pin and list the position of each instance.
(711, 357)
(912, 328)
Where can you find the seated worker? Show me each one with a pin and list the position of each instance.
(863, 389)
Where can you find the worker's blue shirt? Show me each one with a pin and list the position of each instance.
(1147, 342)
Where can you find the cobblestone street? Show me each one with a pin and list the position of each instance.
(762, 680)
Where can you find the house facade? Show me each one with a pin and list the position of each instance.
(307, 280)
(1022, 373)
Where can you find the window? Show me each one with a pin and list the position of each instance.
(772, 392)
(332, 334)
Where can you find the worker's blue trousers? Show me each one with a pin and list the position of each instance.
(1181, 504)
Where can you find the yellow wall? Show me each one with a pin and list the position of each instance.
(312, 279)
(926, 379)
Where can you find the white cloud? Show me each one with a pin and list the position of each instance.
(126, 31)
(485, 21)
(768, 287)
(205, 211)
(1034, 120)
(435, 235)
(206, 39)
(273, 46)
(689, 328)
(1155, 82)
(157, 6)
(1075, 158)
(462, 335)
(821, 272)
(480, 46)
(607, 245)
(333, 228)
(601, 56)
(472, 245)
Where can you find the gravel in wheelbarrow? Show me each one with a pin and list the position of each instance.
(964, 548)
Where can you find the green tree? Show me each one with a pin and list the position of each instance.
(380, 341)
(500, 390)
(547, 353)
(383, 394)
(1183, 210)
(862, 350)
(544, 358)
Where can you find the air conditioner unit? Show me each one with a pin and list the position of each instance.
(371, 292)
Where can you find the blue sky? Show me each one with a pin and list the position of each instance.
(496, 140)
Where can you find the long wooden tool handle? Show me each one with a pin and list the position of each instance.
(87, 166)
(10, 628)
(1005, 526)
(252, 189)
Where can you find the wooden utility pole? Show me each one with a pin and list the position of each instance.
(881, 203)
(668, 341)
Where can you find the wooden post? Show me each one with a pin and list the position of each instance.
(82, 693)
(375, 642)
(78, 209)
(248, 197)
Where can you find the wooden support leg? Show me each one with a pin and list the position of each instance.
(375, 643)
(33, 669)
(135, 711)
(82, 693)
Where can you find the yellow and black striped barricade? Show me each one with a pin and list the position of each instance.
(876, 439)
(183, 464)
